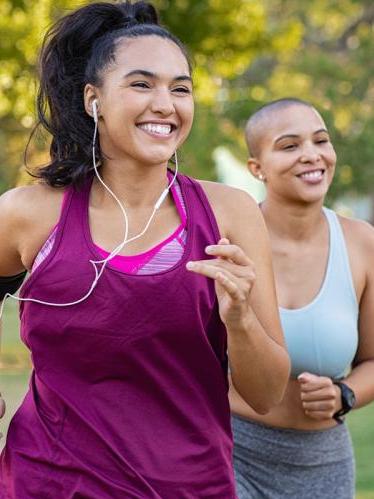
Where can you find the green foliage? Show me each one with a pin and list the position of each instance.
(246, 53)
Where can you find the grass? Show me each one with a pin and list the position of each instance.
(14, 373)
(362, 430)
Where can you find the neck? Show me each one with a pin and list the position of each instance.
(290, 220)
(137, 186)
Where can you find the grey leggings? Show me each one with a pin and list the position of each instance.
(274, 463)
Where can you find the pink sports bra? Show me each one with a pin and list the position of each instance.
(159, 258)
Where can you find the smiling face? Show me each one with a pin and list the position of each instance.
(145, 102)
(294, 154)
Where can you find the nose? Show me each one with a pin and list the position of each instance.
(162, 102)
(310, 153)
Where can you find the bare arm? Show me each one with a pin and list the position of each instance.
(321, 398)
(10, 259)
(27, 215)
(258, 359)
(11, 225)
(361, 378)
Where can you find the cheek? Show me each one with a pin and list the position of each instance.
(331, 156)
(333, 159)
(186, 112)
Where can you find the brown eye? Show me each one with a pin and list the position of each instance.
(182, 90)
(140, 84)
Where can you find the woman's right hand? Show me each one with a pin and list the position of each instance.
(320, 397)
(2, 406)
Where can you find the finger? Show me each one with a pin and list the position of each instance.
(223, 241)
(326, 393)
(306, 377)
(225, 279)
(228, 267)
(322, 405)
(229, 251)
(319, 416)
(207, 268)
(2, 407)
(204, 267)
(230, 287)
(311, 382)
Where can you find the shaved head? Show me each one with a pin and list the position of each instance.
(259, 122)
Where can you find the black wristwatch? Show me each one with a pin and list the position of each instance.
(348, 400)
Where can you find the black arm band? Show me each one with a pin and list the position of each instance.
(11, 284)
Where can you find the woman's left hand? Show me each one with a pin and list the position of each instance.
(234, 277)
(320, 398)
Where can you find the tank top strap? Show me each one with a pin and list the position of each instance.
(196, 200)
(74, 211)
(339, 268)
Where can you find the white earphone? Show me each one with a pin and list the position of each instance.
(94, 110)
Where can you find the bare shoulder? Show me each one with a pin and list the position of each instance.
(27, 216)
(22, 204)
(234, 208)
(358, 234)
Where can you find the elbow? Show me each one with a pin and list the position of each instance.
(267, 387)
(262, 409)
(260, 405)
(260, 402)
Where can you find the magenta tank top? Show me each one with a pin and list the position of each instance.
(128, 396)
(161, 257)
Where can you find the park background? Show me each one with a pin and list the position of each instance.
(246, 52)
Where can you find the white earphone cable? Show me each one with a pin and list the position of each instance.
(117, 249)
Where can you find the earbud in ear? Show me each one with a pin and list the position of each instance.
(94, 110)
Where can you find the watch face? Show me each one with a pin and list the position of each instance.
(351, 399)
(348, 397)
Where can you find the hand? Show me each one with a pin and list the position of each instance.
(2, 406)
(234, 276)
(2, 409)
(321, 399)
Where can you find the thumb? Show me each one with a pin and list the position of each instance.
(306, 377)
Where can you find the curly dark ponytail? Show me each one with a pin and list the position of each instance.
(74, 52)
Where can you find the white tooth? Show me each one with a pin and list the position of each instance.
(312, 175)
(156, 128)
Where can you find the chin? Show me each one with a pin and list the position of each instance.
(319, 194)
(314, 199)
(157, 157)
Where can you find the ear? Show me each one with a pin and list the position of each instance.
(254, 166)
(89, 95)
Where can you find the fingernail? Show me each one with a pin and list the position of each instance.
(190, 265)
(209, 250)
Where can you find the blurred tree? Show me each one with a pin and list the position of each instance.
(333, 67)
(246, 52)
(224, 36)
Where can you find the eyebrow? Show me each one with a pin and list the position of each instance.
(149, 74)
(295, 136)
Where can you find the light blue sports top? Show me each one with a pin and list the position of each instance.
(322, 337)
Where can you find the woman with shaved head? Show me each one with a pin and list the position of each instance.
(324, 272)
